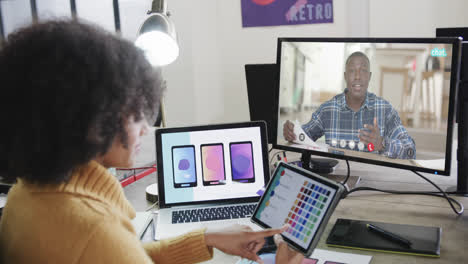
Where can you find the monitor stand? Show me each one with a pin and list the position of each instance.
(318, 165)
(324, 167)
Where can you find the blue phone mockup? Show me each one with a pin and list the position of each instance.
(183, 166)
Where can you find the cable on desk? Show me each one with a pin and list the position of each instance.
(440, 194)
(270, 149)
(276, 155)
(443, 194)
(436, 194)
(151, 206)
(348, 175)
(346, 192)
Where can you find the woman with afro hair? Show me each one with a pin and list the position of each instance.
(75, 101)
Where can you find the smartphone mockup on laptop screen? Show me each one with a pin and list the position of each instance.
(302, 199)
(213, 169)
(241, 158)
(209, 175)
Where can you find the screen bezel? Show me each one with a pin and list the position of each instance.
(160, 167)
(324, 221)
(455, 72)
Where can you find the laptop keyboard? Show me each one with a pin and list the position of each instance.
(212, 214)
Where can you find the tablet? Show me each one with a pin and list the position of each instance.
(302, 199)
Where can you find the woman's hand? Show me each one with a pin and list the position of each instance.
(285, 254)
(240, 240)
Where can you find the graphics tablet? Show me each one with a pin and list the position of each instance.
(302, 199)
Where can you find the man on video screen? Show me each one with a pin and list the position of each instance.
(357, 119)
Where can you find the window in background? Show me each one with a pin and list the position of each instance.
(98, 12)
(15, 14)
(50, 9)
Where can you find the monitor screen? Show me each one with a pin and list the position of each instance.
(382, 101)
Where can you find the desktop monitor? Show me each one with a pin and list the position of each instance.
(381, 101)
(262, 84)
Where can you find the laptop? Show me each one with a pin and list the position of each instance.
(210, 175)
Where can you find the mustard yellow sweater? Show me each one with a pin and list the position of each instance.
(86, 220)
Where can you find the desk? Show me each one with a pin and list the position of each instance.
(415, 210)
(403, 209)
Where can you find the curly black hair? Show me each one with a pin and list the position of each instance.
(67, 90)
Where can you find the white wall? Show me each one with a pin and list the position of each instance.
(415, 18)
(48, 9)
(100, 12)
(15, 14)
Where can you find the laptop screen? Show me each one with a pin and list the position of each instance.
(211, 164)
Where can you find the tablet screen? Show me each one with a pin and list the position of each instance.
(301, 199)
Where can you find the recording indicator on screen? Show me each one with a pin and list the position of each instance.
(242, 164)
(213, 168)
(183, 166)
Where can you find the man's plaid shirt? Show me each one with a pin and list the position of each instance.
(337, 121)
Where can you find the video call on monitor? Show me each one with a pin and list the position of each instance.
(407, 88)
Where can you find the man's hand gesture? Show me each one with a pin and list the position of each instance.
(372, 135)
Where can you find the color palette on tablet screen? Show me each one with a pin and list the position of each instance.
(307, 211)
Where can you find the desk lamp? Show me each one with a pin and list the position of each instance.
(157, 36)
(158, 39)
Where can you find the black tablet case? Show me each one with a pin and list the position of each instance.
(354, 234)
